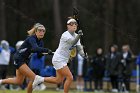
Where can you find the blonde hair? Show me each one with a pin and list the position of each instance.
(126, 47)
(32, 31)
(34, 28)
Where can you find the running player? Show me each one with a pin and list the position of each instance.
(32, 44)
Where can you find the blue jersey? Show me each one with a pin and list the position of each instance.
(31, 45)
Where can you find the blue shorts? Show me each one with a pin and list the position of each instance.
(18, 63)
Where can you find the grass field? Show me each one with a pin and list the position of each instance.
(46, 91)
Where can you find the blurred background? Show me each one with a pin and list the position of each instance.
(104, 22)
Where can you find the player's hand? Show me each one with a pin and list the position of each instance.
(123, 61)
(50, 52)
(80, 32)
(86, 57)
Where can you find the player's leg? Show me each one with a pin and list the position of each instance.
(23, 71)
(69, 78)
(29, 87)
(56, 80)
(31, 75)
(16, 80)
(61, 73)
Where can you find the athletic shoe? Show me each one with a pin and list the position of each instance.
(114, 90)
(126, 91)
(96, 91)
(36, 88)
(42, 86)
(0, 81)
(37, 80)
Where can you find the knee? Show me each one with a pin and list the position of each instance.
(70, 78)
(19, 82)
(58, 81)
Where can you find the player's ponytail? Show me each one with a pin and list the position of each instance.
(32, 31)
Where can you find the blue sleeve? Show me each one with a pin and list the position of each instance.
(138, 60)
(13, 50)
(35, 47)
(0, 49)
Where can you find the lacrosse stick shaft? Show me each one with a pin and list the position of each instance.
(138, 80)
(47, 53)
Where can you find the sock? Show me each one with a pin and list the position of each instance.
(41, 78)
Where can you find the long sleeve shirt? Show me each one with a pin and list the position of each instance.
(63, 51)
(31, 45)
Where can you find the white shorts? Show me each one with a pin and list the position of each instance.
(59, 61)
(59, 64)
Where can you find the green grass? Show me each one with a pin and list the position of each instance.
(46, 91)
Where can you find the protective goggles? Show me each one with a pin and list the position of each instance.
(41, 29)
(73, 23)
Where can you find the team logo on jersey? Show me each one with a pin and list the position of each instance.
(15, 63)
(22, 50)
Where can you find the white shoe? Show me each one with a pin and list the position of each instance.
(37, 80)
(78, 87)
(126, 91)
(0, 81)
(81, 88)
(3, 87)
(101, 91)
(57, 89)
(14, 87)
(36, 88)
(96, 91)
(42, 87)
(114, 90)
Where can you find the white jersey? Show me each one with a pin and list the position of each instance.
(4, 57)
(63, 53)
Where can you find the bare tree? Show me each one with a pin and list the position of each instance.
(57, 23)
(2, 20)
(108, 26)
(74, 3)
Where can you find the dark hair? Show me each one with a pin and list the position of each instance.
(115, 46)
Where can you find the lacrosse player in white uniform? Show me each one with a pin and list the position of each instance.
(68, 41)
